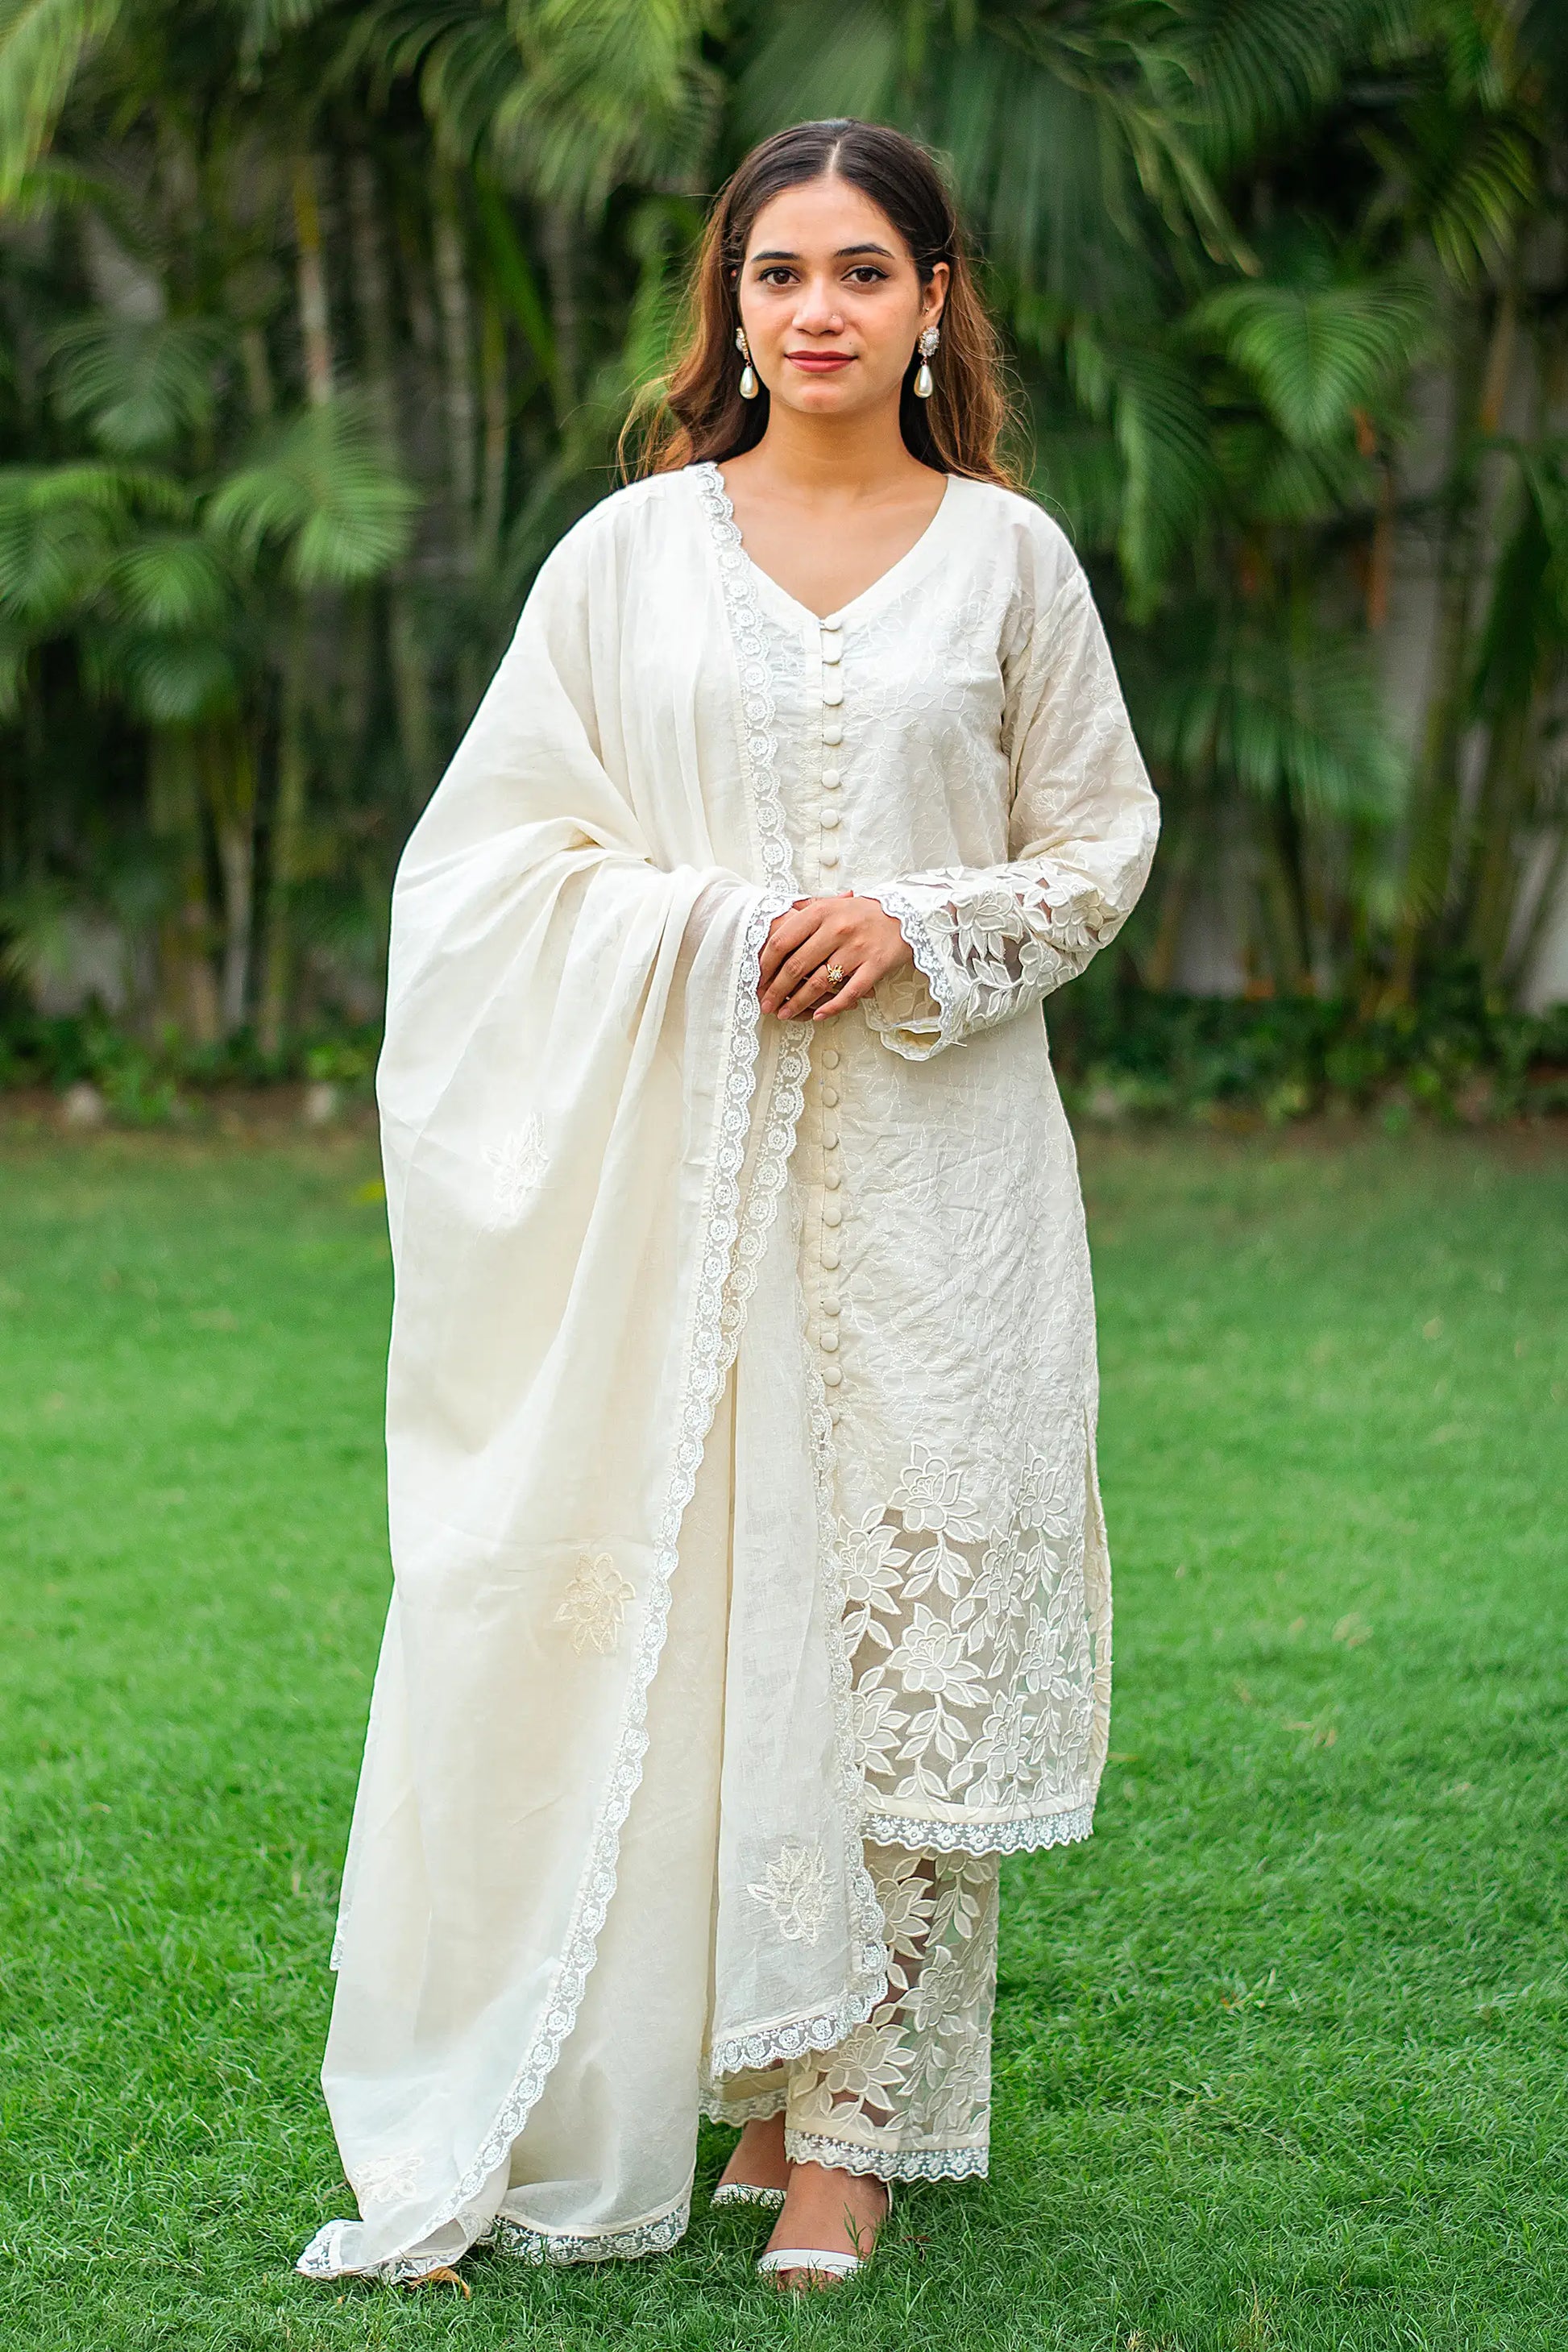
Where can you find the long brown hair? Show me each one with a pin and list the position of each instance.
(698, 411)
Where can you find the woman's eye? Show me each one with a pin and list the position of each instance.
(865, 273)
(777, 276)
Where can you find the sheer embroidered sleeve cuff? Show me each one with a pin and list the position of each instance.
(987, 942)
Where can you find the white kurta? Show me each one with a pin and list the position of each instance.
(954, 742)
(626, 1666)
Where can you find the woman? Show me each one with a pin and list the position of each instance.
(751, 1595)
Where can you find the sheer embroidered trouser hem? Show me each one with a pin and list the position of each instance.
(906, 2096)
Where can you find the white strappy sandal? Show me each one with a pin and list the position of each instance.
(819, 2258)
(747, 2192)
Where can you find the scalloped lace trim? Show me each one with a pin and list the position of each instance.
(758, 2110)
(321, 2260)
(1026, 1836)
(558, 2247)
(884, 2164)
(938, 970)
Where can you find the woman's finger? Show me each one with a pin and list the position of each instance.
(805, 994)
(785, 935)
(859, 984)
(818, 949)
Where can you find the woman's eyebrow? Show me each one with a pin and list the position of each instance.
(843, 253)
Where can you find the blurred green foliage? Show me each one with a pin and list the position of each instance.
(319, 323)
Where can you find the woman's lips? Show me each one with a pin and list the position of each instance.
(819, 362)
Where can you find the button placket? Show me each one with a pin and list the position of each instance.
(830, 635)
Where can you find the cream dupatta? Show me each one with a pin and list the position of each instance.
(585, 1131)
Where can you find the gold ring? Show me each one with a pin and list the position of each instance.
(834, 977)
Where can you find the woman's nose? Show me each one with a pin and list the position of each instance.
(818, 312)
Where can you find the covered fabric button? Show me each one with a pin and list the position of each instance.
(831, 1057)
(830, 1097)
(831, 621)
(830, 1256)
(833, 689)
(831, 780)
(833, 728)
(832, 1375)
(830, 1304)
(830, 1341)
(827, 854)
(829, 818)
(832, 1214)
(833, 1179)
(832, 647)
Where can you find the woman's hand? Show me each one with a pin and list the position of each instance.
(852, 935)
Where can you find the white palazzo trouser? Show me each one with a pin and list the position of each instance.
(906, 2096)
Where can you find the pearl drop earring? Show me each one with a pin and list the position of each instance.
(748, 386)
(924, 386)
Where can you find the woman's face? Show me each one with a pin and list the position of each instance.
(831, 301)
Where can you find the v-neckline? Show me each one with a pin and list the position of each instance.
(885, 581)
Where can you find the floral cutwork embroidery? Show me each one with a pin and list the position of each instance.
(906, 2095)
(388, 2179)
(794, 1887)
(595, 1605)
(976, 1662)
(519, 1166)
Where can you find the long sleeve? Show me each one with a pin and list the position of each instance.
(989, 940)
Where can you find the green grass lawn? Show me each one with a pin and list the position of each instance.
(1280, 2051)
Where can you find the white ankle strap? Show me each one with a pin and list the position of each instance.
(809, 2258)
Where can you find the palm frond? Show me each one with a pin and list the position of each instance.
(42, 45)
(612, 90)
(1317, 353)
(1271, 480)
(461, 53)
(170, 580)
(1464, 155)
(1153, 403)
(818, 59)
(166, 678)
(52, 547)
(1038, 165)
(1239, 700)
(1056, 123)
(138, 386)
(325, 489)
(1260, 70)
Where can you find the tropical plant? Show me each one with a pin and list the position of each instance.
(322, 319)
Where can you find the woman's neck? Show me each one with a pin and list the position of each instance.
(831, 461)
